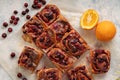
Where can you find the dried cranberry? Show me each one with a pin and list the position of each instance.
(12, 55)
(13, 17)
(19, 75)
(4, 35)
(23, 12)
(5, 24)
(28, 17)
(35, 2)
(26, 4)
(17, 18)
(11, 21)
(27, 10)
(24, 79)
(10, 30)
(34, 6)
(43, 2)
(38, 5)
(15, 12)
(15, 22)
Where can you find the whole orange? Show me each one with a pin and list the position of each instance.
(105, 30)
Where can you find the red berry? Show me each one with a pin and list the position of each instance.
(17, 18)
(10, 30)
(5, 24)
(19, 75)
(4, 35)
(24, 79)
(39, 5)
(28, 17)
(43, 2)
(12, 55)
(35, 2)
(23, 12)
(15, 12)
(11, 21)
(27, 10)
(13, 17)
(15, 22)
(26, 4)
(34, 6)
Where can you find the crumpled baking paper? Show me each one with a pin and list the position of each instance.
(72, 10)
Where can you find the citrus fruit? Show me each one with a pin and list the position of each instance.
(89, 19)
(105, 31)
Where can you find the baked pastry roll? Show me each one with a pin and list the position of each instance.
(32, 29)
(74, 44)
(79, 73)
(46, 40)
(60, 27)
(48, 14)
(49, 74)
(100, 61)
(61, 59)
(29, 58)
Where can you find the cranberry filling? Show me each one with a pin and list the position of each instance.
(48, 14)
(51, 76)
(44, 41)
(34, 28)
(59, 58)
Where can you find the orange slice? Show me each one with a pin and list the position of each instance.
(89, 19)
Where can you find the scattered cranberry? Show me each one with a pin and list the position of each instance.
(23, 12)
(28, 17)
(43, 2)
(27, 10)
(35, 2)
(5, 24)
(12, 55)
(4, 35)
(15, 22)
(10, 30)
(15, 12)
(17, 18)
(24, 79)
(26, 4)
(11, 21)
(19, 75)
(38, 5)
(13, 17)
(34, 6)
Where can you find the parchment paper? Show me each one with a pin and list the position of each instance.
(72, 10)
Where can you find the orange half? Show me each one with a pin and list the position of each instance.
(89, 19)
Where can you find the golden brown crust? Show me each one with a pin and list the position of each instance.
(49, 74)
(61, 60)
(60, 27)
(79, 73)
(29, 58)
(49, 14)
(74, 44)
(100, 61)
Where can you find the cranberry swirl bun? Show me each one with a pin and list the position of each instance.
(60, 59)
(60, 27)
(74, 43)
(45, 40)
(100, 61)
(33, 28)
(49, 14)
(79, 73)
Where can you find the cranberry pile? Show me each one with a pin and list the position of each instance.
(14, 19)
